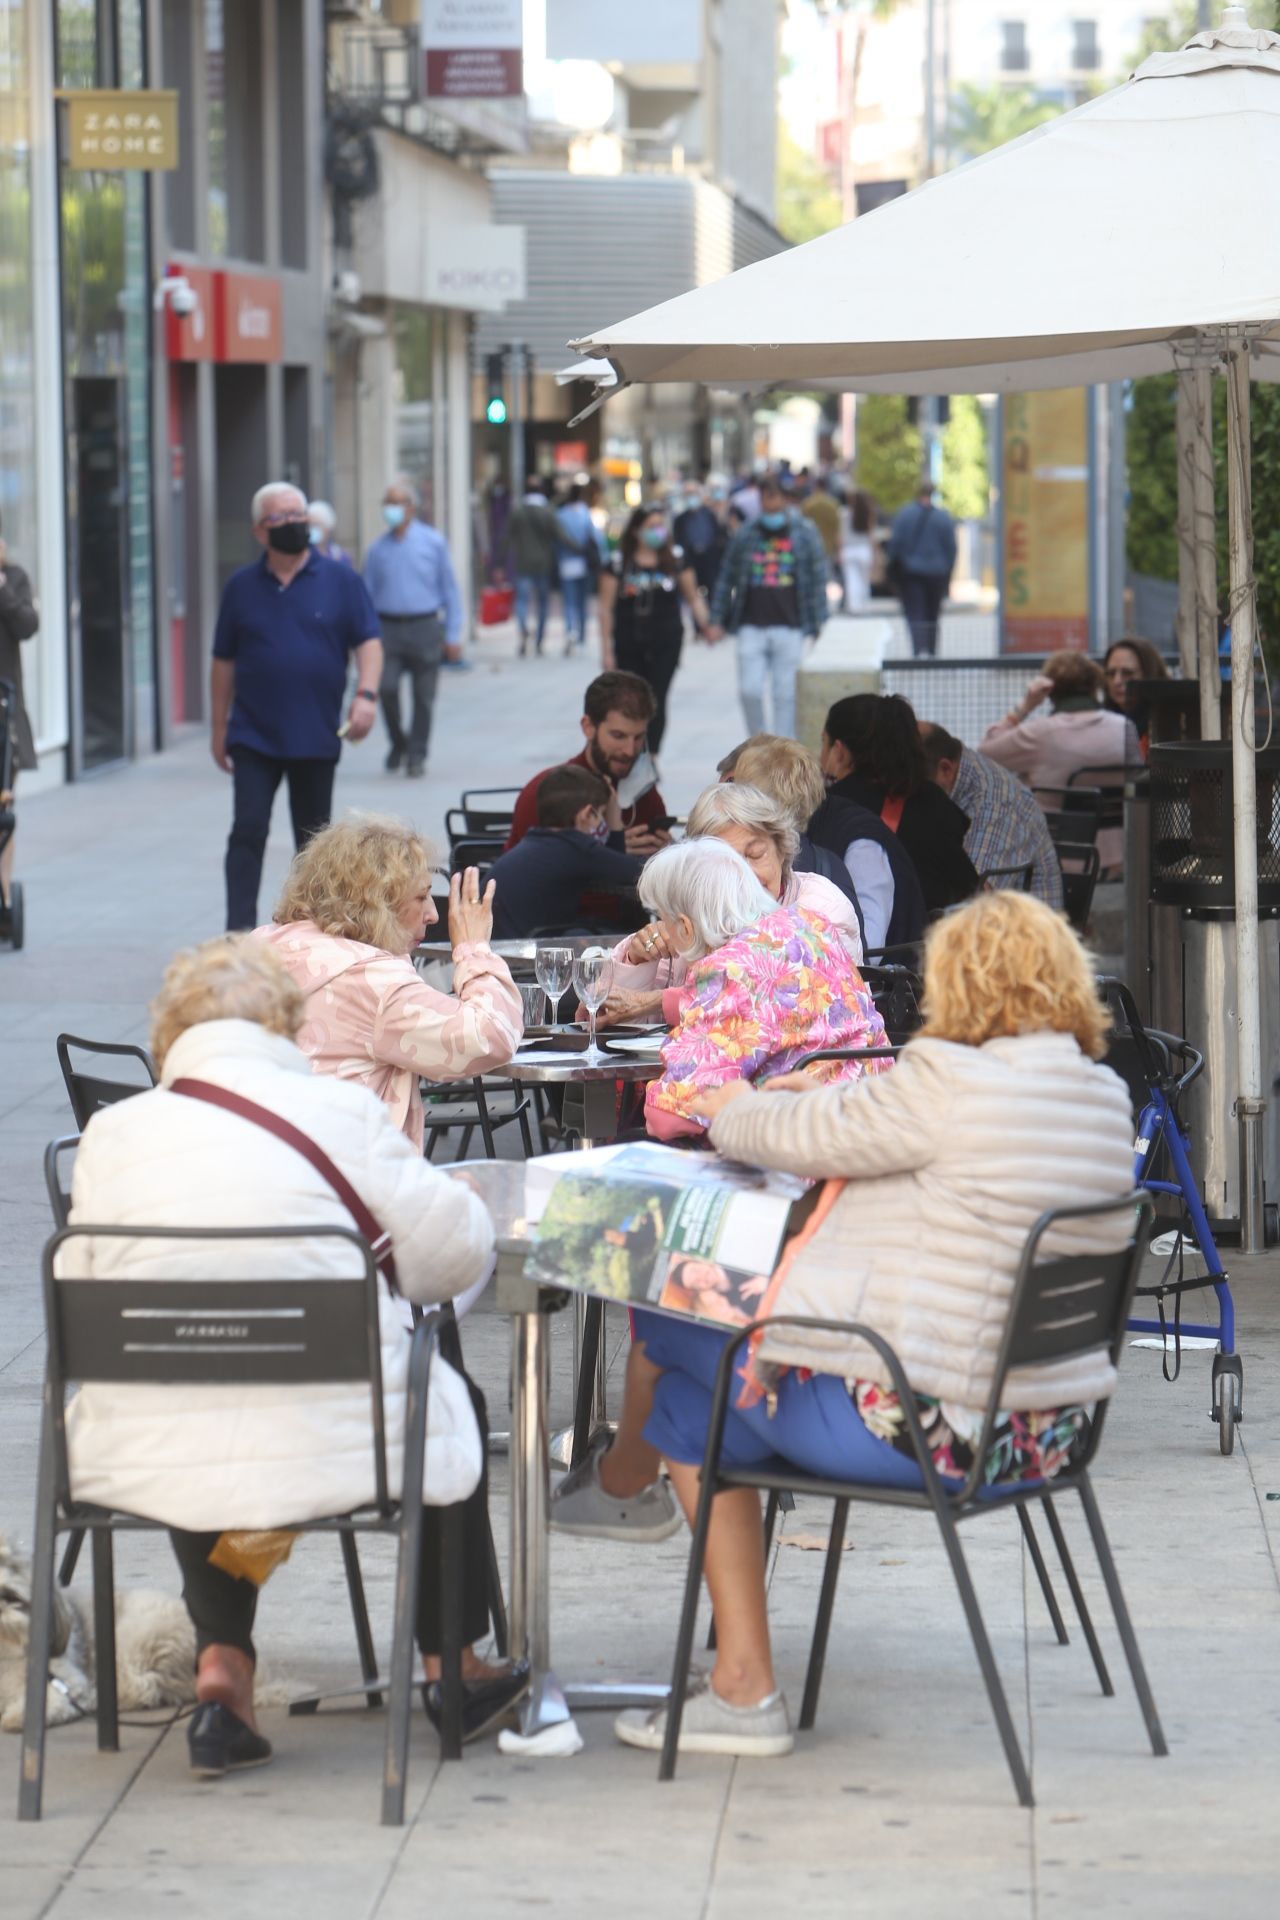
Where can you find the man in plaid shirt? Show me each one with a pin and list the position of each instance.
(1006, 825)
(771, 594)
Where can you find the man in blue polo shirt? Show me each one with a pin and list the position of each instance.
(286, 628)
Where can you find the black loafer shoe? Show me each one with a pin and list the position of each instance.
(394, 759)
(220, 1742)
(484, 1702)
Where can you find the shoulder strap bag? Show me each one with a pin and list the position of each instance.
(377, 1236)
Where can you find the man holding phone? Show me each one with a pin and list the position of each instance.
(617, 710)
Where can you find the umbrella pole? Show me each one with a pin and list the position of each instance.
(1204, 541)
(1249, 1106)
(1188, 626)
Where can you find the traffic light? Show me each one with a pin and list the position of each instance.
(495, 380)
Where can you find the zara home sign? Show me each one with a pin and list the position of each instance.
(122, 132)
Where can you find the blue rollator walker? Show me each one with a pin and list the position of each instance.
(1158, 1068)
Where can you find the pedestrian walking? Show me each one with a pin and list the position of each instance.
(822, 509)
(19, 621)
(641, 623)
(287, 627)
(922, 558)
(578, 571)
(771, 594)
(323, 521)
(701, 535)
(857, 549)
(412, 585)
(534, 542)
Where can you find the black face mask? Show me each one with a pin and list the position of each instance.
(292, 536)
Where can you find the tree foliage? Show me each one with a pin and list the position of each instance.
(983, 118)
(807, 203)
(890, 451)
(966, 486)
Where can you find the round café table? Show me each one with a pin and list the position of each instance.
(520, 952)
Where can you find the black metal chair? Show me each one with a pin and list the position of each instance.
(88, 1092)
(1080, 867)
(479, 852)
(230, 1337)
(473, 1097)
(482, 811)
(1009, 879)
(1072, 1303)
(897, 992)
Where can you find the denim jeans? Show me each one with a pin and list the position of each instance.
(773, 654)
(573, 595)
(536, 586)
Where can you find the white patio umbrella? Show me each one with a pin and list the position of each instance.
(1138, 234)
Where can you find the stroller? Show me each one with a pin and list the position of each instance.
(11, 928)
(1158, 1067)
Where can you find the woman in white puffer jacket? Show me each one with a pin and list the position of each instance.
(202, 1461)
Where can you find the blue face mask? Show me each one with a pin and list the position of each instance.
(655, 537)
(393, 514)
(773, 521)
(316, 535)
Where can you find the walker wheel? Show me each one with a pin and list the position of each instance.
(1228, 1397)
(11, 918)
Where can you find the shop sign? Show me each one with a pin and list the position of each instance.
(1045, 517)
(247, 317)
(122, 132)
(479, 268)
(473, 49)
(189, 336)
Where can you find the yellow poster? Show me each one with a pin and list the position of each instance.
(1045, 499)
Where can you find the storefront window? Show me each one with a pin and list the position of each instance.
(17, 329)
(106, 313)
(415, 400)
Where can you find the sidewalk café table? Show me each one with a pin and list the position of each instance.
(516, 952)
(500, 1184)
(598, 1084)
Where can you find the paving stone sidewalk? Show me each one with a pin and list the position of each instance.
(897, 1804)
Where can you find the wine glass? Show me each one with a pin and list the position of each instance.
(592, 979)
(553, 967)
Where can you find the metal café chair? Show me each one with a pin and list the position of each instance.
(1067, 1305)
(88, 1092)
(1015, 879)
(230, 1336)
(1080, 866)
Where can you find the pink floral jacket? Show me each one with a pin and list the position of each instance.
(370, 1018)
(784, 987)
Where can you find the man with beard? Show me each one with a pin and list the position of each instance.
(616, 713)
(287, 628)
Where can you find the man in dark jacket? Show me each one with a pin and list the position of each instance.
(534, 538)
(19, 621)
(576, 849)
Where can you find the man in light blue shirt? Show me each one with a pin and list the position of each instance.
(922, 558)
(412, 585)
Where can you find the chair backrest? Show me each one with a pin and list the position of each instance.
(1080, 866)
(483, 810)
(480, 853)
(1010, 879)
(312, 1330)
(897, 993)
(59, 1195)
(1069, 1304)
(1111, 779)
(89, 1092)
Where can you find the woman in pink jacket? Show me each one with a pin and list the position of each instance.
(355, 905)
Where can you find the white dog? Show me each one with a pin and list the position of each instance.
(155, 1649)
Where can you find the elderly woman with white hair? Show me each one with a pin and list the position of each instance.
(204, 1149)
(765, 983)
(645, 973)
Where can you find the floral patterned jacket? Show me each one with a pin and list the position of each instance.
(370, 1018)
(782, 988)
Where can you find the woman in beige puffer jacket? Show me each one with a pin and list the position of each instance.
(994, 1115)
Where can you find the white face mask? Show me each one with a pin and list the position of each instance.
(600, 831)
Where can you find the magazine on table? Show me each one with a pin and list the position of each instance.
(686, 1232)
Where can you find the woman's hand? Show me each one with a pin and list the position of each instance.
(1039, 690)
(651, 943)
(797, 1082)
(626, 1004)
(470, 912)
(707, 1105)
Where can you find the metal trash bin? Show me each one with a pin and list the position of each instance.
(1192, 866)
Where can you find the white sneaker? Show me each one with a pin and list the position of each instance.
(710, 1725)
(581, 1505)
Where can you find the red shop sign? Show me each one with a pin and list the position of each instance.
(247, 317)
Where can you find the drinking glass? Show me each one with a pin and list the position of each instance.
(592, 979)
(534, 1002)
(553, 967)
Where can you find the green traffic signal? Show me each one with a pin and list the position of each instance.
(496, 411)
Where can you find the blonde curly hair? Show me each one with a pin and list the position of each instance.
(1004, 964)
(351, 880)
(232, 978)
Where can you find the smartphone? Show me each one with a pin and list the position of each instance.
(665, 822)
